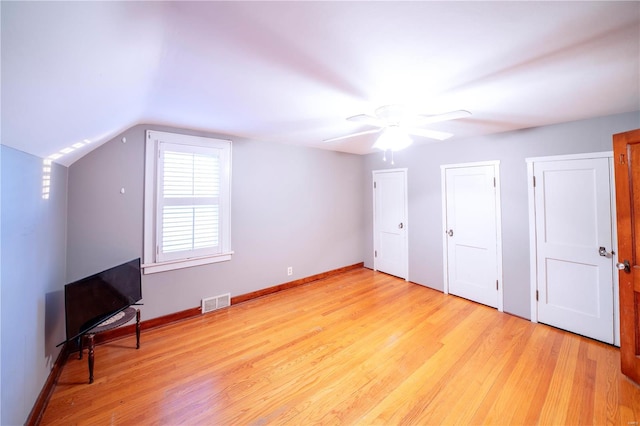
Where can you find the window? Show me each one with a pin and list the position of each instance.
(187, 201)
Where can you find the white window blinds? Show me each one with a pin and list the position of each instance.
(187, 201)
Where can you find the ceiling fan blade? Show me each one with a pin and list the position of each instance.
(367, 119)
(366, 132)
(453, 115)
(431, 134)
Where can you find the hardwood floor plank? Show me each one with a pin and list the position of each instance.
(428, 378)
(355, 349)
(501, 374)
(561, 384)
(606, 406)
(494, 374)
(583, 378)
(518, 390)
(468, 374)
(547, 366)
(465, 405)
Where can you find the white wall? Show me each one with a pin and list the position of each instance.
(291, 206)
(33, 240)
(425, 214)
(0, 231)
(0, 283)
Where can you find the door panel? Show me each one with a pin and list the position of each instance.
(569, 279)
(561, 191)
(573, 219)
(390, 223)
(470, 200)
(626, 155)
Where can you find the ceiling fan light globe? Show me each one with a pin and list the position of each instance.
(393, 138)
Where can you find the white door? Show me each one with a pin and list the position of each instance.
(390, 222)
(574, 246)
(471, 222)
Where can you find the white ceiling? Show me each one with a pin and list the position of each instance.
(291, 72)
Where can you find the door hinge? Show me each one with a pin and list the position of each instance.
(375, 253)
(494, 182)
(621, 158)
(534, 181)
(496, 284)
(157, 250)
(374, 185)
(537, 296)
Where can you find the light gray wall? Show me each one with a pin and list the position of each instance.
(0, 280)
(291, 206)
(33, 276)
(511, 148)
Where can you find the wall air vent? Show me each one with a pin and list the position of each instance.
(217, 302)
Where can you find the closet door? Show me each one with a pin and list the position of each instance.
(472, 253)
(390, 227)
(574, 246)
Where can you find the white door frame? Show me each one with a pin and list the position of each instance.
(405, 247)
(445, 241)
(533, 278)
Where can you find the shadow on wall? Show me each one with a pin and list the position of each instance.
(54, 329)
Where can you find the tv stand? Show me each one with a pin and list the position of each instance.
(111, 323)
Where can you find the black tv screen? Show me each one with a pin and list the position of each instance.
(93, 299)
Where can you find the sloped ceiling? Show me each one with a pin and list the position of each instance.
(291, 72)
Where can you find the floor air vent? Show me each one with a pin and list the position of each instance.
(217, 302)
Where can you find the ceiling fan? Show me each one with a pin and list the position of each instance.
(396, 124)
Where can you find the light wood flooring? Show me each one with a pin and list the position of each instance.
(357, 349)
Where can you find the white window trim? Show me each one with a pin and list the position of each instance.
(150, 264)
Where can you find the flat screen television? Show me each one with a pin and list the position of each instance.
(94, 299)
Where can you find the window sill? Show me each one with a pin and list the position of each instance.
(152, 268)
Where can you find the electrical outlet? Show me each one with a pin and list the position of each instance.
(290, 270)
